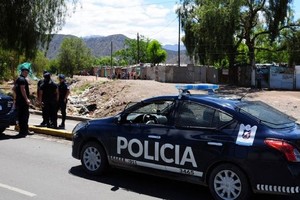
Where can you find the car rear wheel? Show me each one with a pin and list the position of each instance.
(228, 182)
(94, 158)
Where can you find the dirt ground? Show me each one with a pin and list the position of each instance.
(109, 97)
(100, 97)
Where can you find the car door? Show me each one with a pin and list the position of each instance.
(138, 138)
(200, 136)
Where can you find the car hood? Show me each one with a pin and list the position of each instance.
(5, 97)
(105, 120)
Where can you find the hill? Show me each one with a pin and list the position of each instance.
(101, 46)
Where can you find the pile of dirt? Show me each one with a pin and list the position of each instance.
(103, 97)
(100, 97)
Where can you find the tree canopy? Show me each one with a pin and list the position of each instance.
(142, 51)
(155, 52)
(73, 56)
(214, 30)
(27, 25)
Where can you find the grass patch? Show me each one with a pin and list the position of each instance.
(80, 89)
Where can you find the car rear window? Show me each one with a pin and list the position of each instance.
(266, 114)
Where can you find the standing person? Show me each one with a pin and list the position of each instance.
(64, 92)
(258, 78)
(21, 90)
(40, 82)
(49, 99)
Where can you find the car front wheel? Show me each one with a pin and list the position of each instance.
(94, 158)
(228, 182)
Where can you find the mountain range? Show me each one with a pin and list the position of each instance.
(101, 46)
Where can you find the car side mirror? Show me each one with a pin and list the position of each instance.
(119, 119)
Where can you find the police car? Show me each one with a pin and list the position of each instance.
(7, 112)
(233, 146)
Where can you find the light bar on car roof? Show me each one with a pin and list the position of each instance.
(184, 88)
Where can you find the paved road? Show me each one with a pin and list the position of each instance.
(41, 167)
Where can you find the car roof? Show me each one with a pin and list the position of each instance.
(216, 101)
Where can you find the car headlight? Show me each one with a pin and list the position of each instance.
(79, 126)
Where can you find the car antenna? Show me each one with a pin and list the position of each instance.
(244, 95)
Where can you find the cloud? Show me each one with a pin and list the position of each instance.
(128, 17)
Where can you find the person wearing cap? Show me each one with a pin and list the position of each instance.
(48, 98)
(22, 102)
(40, 82)
(64, 92)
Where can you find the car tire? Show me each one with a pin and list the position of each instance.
(228, 182)
(94, 158)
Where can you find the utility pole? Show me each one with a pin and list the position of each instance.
(179, 19)
(111, 58)
(138, 48)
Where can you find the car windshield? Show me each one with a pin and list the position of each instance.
(266, 114)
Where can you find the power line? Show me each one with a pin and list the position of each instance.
(164, 27)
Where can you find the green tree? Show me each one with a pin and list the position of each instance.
(105, 61)
(292, 45)
(155, 52)
(277, 18)
(73, 56)
(134, 51)
(6, 63)
(228, 23)
(53, 66)
(40, 63)
(209, 28)
(26, 25)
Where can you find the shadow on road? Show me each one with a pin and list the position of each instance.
(147, 185)
(158, 187)
(9, 137)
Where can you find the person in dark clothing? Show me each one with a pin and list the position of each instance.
(258, 78)
(40, 82)
(64, 92)
(49, 99)
(21, 89)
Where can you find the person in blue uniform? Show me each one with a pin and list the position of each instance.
(49, 99)
(21, 89)
(64, 92)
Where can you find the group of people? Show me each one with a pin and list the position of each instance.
(51, 96)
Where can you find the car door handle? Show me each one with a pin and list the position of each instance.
(154, 136)
(215, 144)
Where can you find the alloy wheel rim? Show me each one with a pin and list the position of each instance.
(92, 158)
(227, 185)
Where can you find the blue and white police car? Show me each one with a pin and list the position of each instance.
(233, 146)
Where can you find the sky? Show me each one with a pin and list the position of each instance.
(154, 19)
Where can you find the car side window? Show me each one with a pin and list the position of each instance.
(152, 113)
(192, 114)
